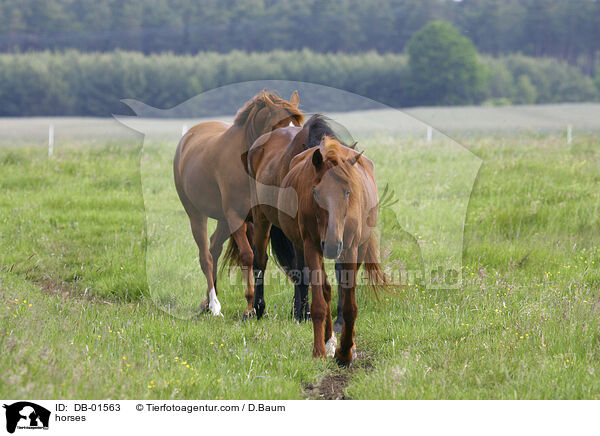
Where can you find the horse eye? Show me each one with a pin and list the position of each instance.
(347, 193)
(315, 192)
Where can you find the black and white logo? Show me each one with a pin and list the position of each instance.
(26, 415)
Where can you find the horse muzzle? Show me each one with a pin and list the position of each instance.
(332, 250)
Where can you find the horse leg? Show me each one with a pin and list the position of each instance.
(217, 240)
(301, 277)
(339, 321)
(318, 306)
(345, 353)
(329, 334)
(262, 228)
(199, 230)
(247, 258)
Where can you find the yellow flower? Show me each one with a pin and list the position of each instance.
(220, 380)
(124, 358)
(99, 337)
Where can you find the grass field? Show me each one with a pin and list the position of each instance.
(77, 317)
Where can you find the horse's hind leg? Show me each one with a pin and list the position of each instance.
(199, 230)
(247, 258)
(217, 240)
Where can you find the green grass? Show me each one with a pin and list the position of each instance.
(76, 309)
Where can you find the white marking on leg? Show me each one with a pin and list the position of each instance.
(213, 303)
(330, 346)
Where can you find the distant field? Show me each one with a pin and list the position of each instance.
(461, 121)
(77, 308)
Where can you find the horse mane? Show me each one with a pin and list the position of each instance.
(319, 126)
(333, 161)
(245, 116)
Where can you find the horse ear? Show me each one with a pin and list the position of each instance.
(353, 146)
(355, 158)
(294, 99)
(317, 159)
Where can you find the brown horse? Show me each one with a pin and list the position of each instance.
(212, 183)
(283, 145)
(332, 188)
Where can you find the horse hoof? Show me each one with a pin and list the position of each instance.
(259, 308)
(204, 305)
(345, 361)
(330, 346)
(247, 315)
(337, 327)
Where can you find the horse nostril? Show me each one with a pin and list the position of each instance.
(322, 245)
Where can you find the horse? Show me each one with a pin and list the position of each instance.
(332, 189)
(212, 183)
(283, 144)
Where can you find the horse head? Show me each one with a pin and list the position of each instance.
(335, 190)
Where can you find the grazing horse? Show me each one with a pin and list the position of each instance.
(332, 188)
(212, 183)
(269, 165)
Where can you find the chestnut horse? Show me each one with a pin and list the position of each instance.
(212, 183)
(283, 145)
(333, 190)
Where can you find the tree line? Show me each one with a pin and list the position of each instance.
(565, 30)
(75, 83)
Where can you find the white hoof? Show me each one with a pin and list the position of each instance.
(330, 346)
(214, 306)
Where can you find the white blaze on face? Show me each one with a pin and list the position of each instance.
(213, 302)
(330, 346)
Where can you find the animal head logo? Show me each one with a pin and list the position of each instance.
(26, 415)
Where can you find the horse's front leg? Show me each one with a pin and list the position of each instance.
(301, 278)
(345, 352)
(339, 320)
(318, 307)
(262, 228)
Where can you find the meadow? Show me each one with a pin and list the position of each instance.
(82, 315)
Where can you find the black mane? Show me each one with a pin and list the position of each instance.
(319, 125)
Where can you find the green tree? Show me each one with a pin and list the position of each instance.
(443, 66)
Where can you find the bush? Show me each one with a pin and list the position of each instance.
(443, 65)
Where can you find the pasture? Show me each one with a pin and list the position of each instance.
(78, 318)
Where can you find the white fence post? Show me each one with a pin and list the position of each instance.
(429, 133)
(569, 134)
(50, 140)
(184, 129)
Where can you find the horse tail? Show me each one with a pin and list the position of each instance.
(283, 249)
(232, 254)
(376, 277)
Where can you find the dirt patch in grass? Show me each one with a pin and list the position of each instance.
(333, 385)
